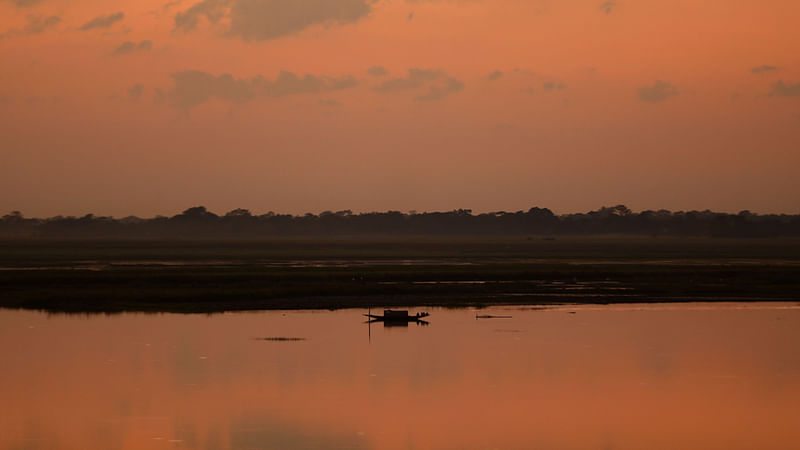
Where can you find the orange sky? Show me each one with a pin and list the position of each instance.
(678, 105)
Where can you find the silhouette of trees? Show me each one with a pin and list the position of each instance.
(198, 222)
(13, 217)
(239, 212)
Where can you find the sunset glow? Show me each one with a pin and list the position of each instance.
(150, 107)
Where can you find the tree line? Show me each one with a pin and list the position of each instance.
(198, 222)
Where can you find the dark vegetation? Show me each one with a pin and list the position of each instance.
(198, 222)
(204, 275)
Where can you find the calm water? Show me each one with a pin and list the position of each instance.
(635, 377)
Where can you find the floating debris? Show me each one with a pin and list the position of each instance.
(280, 339)
(491, 317)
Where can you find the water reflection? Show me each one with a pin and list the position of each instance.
(645, 376)
(404, 324)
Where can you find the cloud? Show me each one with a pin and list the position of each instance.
(25, 3)
(781, 89)
(193, 87)
(439, 84)
(169, 5)
(125, 48)
(212, 10)
(287, 83)
(330, 103)
(527, 73)
(37, 23)
(416, 78)
(496, 75)
(136, 91)
(658, 92)
(260, 20)
(268, 19)
(608, 7)
(549, 86)
(102, 21)
(377, 71)
(438, 92)
(129, 47)
(763, 69)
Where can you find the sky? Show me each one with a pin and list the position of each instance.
(150, 107)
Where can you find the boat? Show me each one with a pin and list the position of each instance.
(390, 315)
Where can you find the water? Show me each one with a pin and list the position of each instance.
(691, 376)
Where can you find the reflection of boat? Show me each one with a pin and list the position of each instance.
(396, 316)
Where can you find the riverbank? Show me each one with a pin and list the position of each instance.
(215, 276)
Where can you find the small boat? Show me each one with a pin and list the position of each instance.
(390, 315)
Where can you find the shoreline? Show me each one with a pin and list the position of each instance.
(198, 277)
(334, 304)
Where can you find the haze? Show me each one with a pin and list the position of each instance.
(150, 107)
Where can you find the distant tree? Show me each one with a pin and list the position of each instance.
(540, 212)
(13, 217)
(197, 212)
(199, 222)
(619, 210)
(238, 212)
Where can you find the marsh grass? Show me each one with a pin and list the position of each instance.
(213, 276)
